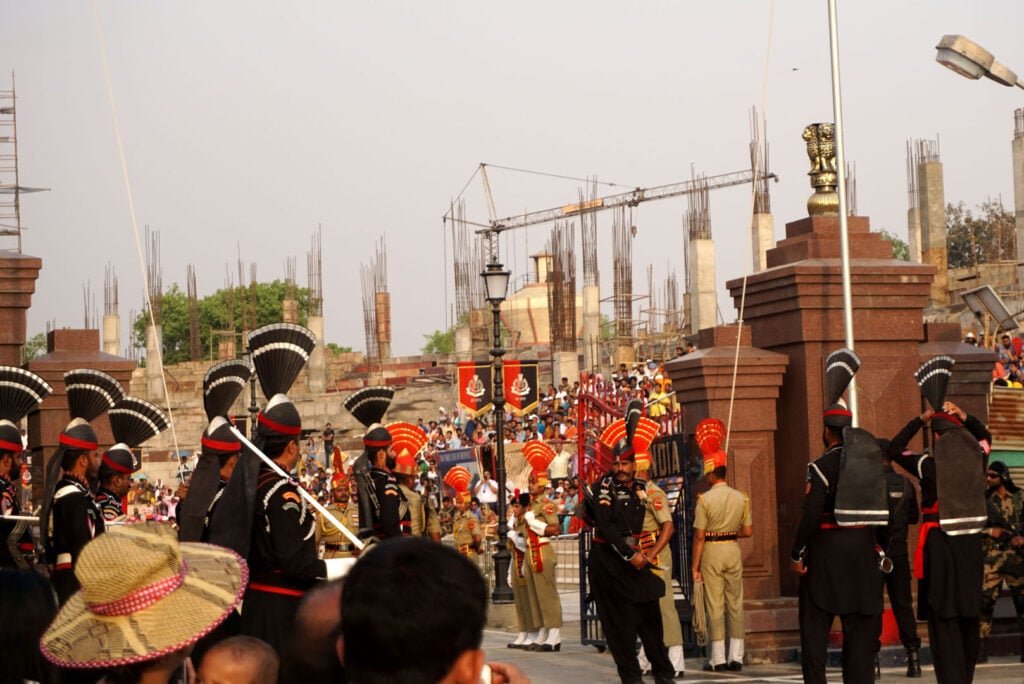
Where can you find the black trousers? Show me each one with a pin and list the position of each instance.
(622, 621)
(897, 585)
(954, 643)
(860, 633)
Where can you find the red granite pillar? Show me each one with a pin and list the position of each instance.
(796, 308)
(18, 274)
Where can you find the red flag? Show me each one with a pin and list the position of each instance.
(521, 393)
(475, 387)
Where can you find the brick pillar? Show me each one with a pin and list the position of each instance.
(18, 274)
(796, 308)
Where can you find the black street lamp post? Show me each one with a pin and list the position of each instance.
(496, 285)
(254, 409)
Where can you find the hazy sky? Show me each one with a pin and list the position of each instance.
(247, 124)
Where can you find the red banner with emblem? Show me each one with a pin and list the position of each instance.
(521, 392)
(475, 387)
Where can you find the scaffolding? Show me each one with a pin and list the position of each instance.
(10, 183)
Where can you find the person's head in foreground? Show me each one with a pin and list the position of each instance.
(389, 634)
(239, 660)
(145, 601)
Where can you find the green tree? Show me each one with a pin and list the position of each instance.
(214, 316)
(900, 249)
(33, 348)
(338, 349)
(439, 342)
(985, 235)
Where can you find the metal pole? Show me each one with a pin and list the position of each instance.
(254, 409)
(844, 237)
(502, 557)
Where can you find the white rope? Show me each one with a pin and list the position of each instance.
(135, 226)
(753, 204)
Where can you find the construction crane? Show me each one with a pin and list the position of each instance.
(632, 198)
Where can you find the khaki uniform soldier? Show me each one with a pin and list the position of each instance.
(408, 441)
(722, 515)
(541, 524)
(1003, 548)
(465, 526)
(654, 539)
(336, 544)
(527, 608)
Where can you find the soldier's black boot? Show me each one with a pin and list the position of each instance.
(983, 651)
(878, 668)
(913, 663)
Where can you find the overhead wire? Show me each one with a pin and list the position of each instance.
(135, 225)
(753, 205)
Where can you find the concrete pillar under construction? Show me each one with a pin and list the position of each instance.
(914, 234)
(154, 364)
(1018, 189)
(112, 334)
(316, 369)
(932, 203)
(566, 365)
(762, 230)
(382, 304)
(591, 327)
(702, 294)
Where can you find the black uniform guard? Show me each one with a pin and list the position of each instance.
(381, 513)
(220, 450)
(20, 393)
(625, 590)
(903, 512)
(949, 566)
(282, 552)
(133, 421)
(70, 514)
(838, 564)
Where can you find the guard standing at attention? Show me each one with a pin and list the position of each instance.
(721, 516)
(22, 393)
(221, 449)
(625, 591)
(903, 512)
(409, 440)
(132, 421)
(465, 526)
(654, 541)
(541, 524)
(838, 563)
(336, 544)
(948, 561)
(527, 608)
(1003, 546)
(70, 515)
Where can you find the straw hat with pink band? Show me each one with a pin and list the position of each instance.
(175, 594)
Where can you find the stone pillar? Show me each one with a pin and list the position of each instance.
(932, 203)
(565, 365)
(289, 311)
(463, 343)
(382, 306)
(702, 292)
(154, 364)
(591, 327)
(762, 238)
(67, 349)
(112, 334)
(914, 234)
(1017, 146)
(796, 308)
(316, 369)
(18, 274)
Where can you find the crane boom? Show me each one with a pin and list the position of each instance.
(629, 199)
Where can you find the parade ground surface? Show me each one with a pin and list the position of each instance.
(577, 663)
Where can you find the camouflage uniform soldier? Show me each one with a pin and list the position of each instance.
(336, 544)
(1003, 548)
(654, 539)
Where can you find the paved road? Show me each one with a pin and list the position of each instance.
(578, 664)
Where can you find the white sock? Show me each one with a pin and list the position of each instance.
(542, 635)
(736, 651)
(521, 639)
(645, 664)
(677, 658)
(717, 653)
(554, 636)
(531, 638)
